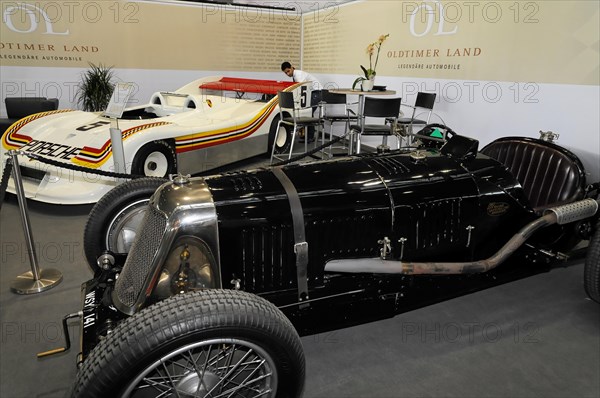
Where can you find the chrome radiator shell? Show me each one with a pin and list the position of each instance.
(175, 210)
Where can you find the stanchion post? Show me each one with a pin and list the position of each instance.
(114, 110)
(117, 150)
(36, 280)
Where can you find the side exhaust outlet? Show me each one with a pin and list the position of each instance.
(575, 211)
(564, 214)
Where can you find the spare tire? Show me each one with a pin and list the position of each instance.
(114, 219)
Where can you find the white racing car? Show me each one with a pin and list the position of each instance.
(208, 123)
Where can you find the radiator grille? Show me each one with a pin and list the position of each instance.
(267, 258)
(437, 223)
(139, 261)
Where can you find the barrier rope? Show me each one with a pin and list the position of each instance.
(311, 152)
(135, 176)
(4, 182)
(79, 168)
(9, 165)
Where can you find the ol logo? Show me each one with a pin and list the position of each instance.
(29, 13)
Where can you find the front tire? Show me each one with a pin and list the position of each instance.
(155, 159)
(226, 342)
(115, 218)
(591, 271)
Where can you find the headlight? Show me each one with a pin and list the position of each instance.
(189, 266)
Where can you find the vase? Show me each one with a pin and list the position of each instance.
(367, 85)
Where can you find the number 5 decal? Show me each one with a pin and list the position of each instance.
(303, 97)
(87, 127)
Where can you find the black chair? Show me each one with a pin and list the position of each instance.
(380, 108)
(424, 104)
(336, 109)
(19, 107)
(287, 106)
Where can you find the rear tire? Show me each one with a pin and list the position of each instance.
(225, 341)
(281, 138)
(113, 221)
(591, 271)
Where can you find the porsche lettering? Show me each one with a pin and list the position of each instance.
(51, 149)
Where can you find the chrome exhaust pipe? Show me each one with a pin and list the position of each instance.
(557, 215)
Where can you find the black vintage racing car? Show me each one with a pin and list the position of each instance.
(226, 271)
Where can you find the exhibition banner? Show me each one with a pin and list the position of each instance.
(541, 41)
(514, 41)
(147, 35)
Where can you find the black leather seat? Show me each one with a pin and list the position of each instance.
(549, 174)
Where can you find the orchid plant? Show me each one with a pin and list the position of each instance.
(371, 49)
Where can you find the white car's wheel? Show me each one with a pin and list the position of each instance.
(155, 159)
(279, 137)
(156, 165)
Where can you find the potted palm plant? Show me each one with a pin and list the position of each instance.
(95, 89)
(368, 80)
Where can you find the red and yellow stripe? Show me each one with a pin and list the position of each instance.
(207, 139)
(96, 157)
(12, 140)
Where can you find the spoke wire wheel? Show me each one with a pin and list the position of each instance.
(156, 165)
(121, 230)
(213, 368)
(206, 343)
